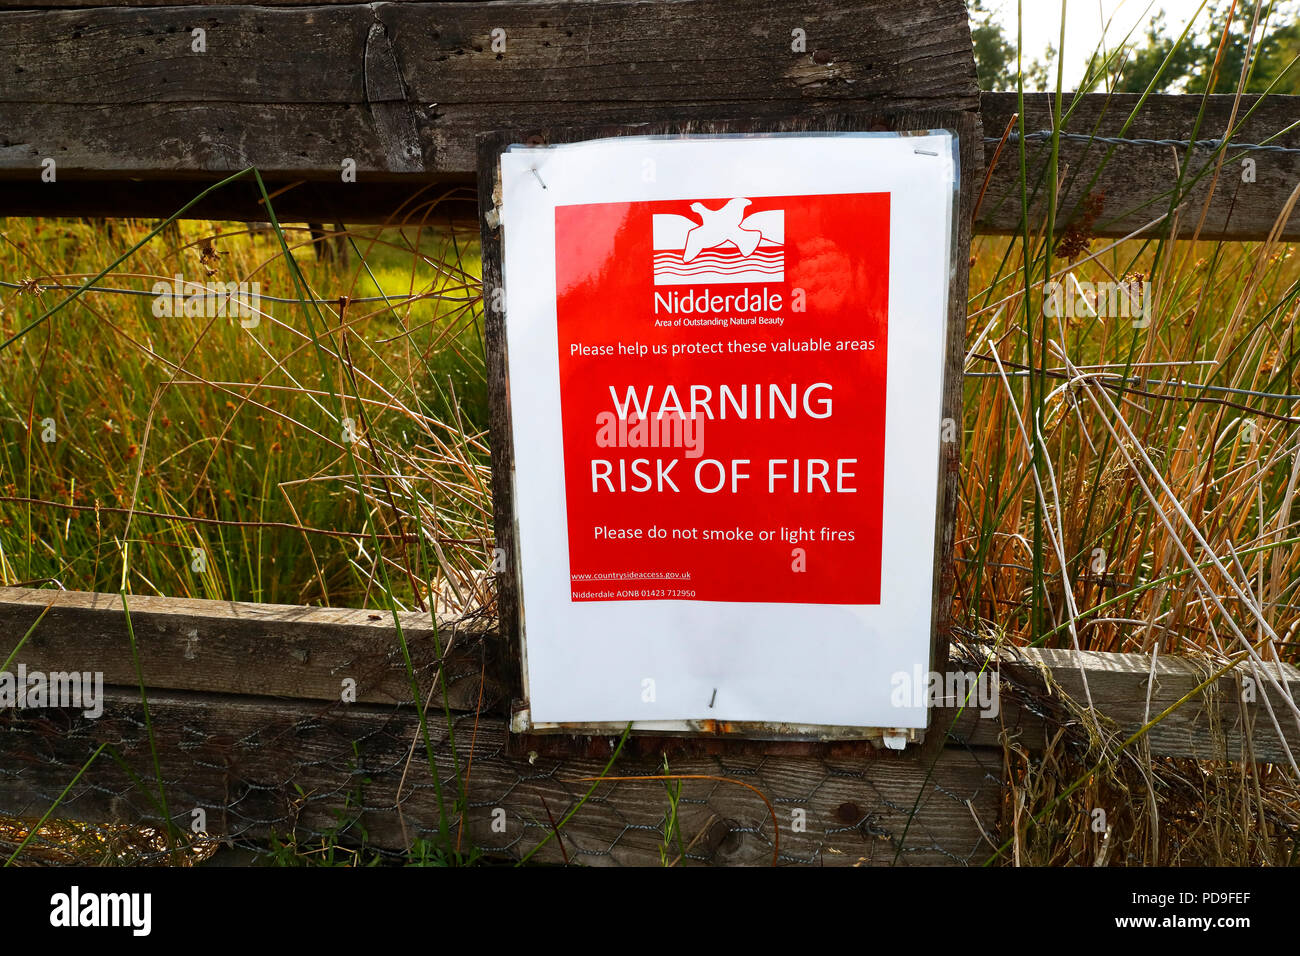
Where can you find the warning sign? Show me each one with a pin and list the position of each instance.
(722, 381)
(724, 359)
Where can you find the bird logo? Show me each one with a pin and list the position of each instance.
(718, 226)
(720, 244)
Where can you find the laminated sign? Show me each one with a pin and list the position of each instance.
(725, 360)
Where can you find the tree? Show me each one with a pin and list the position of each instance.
(1160, 59)
(995, 58)
(995, 55)
(1188, 62)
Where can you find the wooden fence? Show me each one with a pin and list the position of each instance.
(244, 708)
(244, 702)
(137, 121)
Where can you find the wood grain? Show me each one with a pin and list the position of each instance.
(239, 648)
(263, 767)
(1216, 724)
(117, 93)
(1136, 183)
(299, 652)
(114, 70)
(118, 98)
(259, 765)
(104, 169)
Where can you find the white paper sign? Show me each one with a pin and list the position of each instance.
(725, 360)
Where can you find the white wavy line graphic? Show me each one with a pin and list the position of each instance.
(715, 272)
(718, 265)
(756, 257)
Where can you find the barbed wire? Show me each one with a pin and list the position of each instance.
(430, 295)
(1046, 134)
(228, 522)
(207, 292)
(1134, 380)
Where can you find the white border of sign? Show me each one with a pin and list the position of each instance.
(806, 664)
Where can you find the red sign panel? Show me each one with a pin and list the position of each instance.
(722, 382)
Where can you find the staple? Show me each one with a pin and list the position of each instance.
(713, 698)
(925, 152)
(539, 176)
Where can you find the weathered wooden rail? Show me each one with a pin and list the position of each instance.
(249, 725)
(138, 122)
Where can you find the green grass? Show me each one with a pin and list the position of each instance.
(201, 418)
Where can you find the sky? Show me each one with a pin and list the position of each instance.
(1084, 25)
